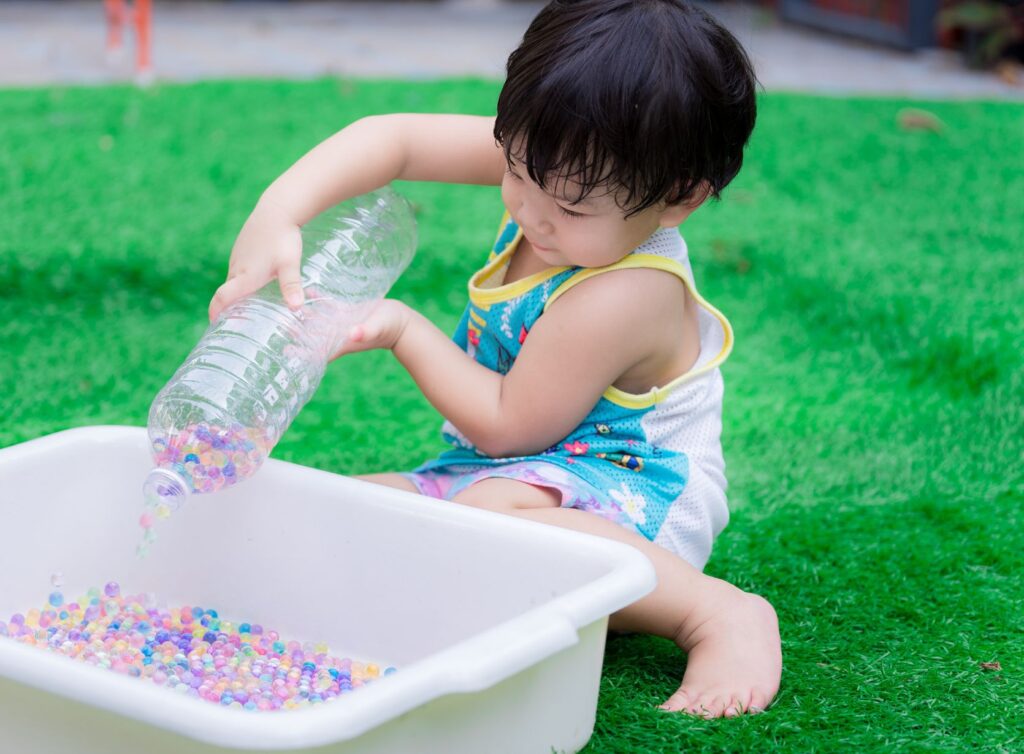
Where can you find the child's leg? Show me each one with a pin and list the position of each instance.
(731, 637)
(391, 479)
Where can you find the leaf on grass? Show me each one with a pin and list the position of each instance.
(991, 665)
(914, 119)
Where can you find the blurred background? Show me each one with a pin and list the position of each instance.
(928, 48)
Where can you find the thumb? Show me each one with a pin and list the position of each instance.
(231, 291)
(354, 340)
(291, 286)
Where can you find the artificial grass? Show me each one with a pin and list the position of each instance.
(874, 399)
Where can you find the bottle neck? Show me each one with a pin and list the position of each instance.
(165, 487)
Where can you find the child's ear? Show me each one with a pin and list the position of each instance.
(674, 214)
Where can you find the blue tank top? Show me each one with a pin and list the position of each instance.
(611, 449)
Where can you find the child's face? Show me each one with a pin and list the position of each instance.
(592, 233)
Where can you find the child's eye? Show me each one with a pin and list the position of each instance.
(569, 213)
(513, 173)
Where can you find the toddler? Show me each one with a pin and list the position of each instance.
(582, 386)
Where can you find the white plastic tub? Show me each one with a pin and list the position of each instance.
(497, 626)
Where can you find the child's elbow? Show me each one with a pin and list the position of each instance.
(494, 446)
(507, 443)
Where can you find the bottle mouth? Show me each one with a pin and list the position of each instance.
(165, 487)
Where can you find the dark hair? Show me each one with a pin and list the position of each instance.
(650, 97)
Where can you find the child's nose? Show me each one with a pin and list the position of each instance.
(534, 219)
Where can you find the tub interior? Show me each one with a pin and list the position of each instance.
(377, 574)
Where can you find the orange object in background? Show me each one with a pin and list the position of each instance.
(139, 13)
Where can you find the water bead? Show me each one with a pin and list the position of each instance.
(240, 668)
(56, 599)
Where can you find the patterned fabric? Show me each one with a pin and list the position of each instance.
(615, 505)
(650, 462)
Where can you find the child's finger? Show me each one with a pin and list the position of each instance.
(357, 334)
(291, 285)
(229, 292)
(366, 333)
(355, 341)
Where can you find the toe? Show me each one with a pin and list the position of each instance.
(759, 701)
(717, 705)
(677, 702)
(700, 706)
(738, 704)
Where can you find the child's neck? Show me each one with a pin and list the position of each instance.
(524, 262)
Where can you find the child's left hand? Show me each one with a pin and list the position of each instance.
(381, 329)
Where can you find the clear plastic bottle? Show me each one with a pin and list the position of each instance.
(258, 364)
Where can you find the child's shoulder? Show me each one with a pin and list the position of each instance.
(654, 275)
(641, 318)
(640, 296)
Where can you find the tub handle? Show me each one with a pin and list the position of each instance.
(510, 649)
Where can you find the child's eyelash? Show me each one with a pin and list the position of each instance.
(563, 210)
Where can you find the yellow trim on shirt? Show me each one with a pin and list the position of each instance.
(485, 296)
(653, 261)
(633, 400)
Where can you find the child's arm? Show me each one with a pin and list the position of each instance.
(591, 336)
(362, 157)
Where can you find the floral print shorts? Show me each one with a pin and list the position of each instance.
(618, 506)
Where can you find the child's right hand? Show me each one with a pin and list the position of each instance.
(268, 246)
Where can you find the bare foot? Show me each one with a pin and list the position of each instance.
(734, 653)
